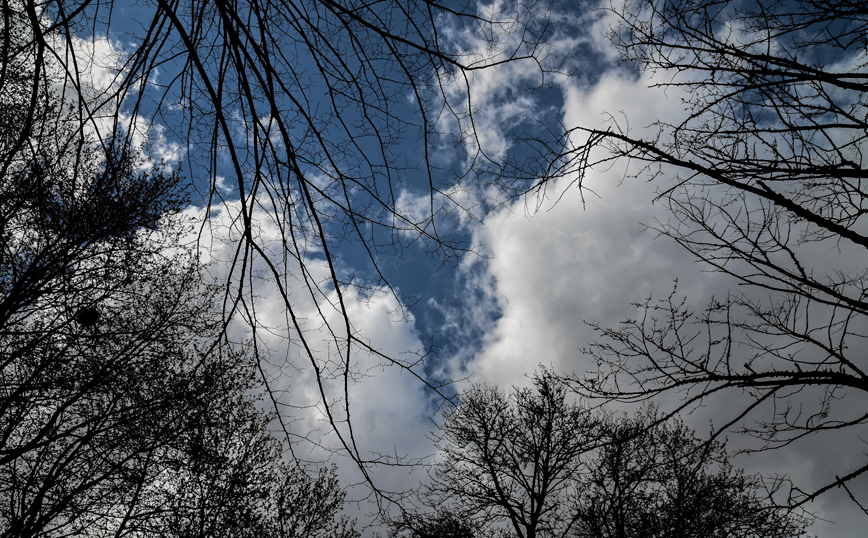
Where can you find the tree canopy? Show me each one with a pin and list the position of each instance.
(532, 464)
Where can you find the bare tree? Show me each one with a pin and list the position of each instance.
(124, 407)
(531, 464)
(658, 479)
(767, 186)
(514, 458)
(232, 479)
(110, 344)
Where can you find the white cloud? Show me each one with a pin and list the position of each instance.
(389, 406)
(556, 261)
(223, 185)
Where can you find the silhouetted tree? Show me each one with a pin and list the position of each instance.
(658, 480)
(532, 464)
(513, 458)
(124, 407)
(765, 181)
(231, 479)
(438, 524)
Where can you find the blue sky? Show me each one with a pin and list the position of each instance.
(540, 266)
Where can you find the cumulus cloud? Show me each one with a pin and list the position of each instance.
(564, 256)
(303, 353)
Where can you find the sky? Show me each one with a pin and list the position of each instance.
(545, 266)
